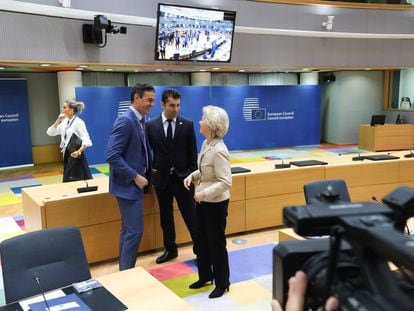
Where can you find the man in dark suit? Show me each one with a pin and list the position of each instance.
(130, 167)
(173, 143)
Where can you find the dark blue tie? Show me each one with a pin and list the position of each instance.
(169, 133)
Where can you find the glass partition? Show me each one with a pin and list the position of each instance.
(401, 92)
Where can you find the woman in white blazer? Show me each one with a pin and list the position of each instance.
(212, 192)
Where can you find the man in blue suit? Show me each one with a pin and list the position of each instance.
(130, 167)
(173, 143)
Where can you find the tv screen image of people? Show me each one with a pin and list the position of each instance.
(194, 34)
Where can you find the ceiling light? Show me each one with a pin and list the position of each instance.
(215, 68)
(242, 70)
(2, 68)
(158, 69)
(108, 69)
(45, 65)
(203, 70)
(83, 66)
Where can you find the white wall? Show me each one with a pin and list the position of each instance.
(349, 102)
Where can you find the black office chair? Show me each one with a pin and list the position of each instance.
(333, 190)
(55, 256)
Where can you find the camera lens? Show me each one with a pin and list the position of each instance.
(316, 268)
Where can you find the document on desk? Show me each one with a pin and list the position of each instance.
(50, 295)
(69, 302)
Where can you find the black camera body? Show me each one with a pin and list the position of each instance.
(353, 262)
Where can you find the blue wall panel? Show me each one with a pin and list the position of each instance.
(260, 116)
(14, 124)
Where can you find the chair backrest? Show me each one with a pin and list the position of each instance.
(56, 256)
(326, 190)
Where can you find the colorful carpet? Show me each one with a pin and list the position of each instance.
(250, 278)
(11, 189)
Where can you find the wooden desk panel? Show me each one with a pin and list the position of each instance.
(267, 212)
(282, 181)
(238, 188)
(366, 173)
(236, 219)
(139, 290)
(365, 193)
(406, 170)
(96, 213)
(81, 212)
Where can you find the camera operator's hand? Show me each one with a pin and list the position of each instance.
(296, 295)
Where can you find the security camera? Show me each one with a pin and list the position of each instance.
(328, 25)
(97, 33)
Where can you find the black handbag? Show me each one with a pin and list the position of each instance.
(75, 168)
(74, 143)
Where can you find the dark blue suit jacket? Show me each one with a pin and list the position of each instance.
(182, 155)
(126, 156)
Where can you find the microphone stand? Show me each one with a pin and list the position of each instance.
(87, 188)
(36, 278)
(282, 165)
(358, 158)
(409, 155)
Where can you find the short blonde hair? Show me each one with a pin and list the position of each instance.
(217, 120)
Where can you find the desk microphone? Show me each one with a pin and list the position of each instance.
(358, 158)
(409, 155)
(36, 278)
(375, 199)
(282, 165)
(87, 188)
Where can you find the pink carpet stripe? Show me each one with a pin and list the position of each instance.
(170, 271)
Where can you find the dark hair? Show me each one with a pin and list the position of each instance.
(170, 93)
(140, 89)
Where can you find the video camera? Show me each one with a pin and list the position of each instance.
(353, 263)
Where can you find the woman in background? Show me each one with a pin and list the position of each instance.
(212, 181)
(74, 140)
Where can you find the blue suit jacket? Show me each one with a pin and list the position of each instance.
(126, 156)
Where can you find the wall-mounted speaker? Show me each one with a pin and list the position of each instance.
(329, 78)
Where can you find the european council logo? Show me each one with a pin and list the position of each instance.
(252, 110)
(123, 106)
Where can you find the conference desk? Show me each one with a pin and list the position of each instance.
(257, 200)
(386, 137)
(135, 288)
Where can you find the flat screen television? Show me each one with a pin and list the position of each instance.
(377, 119)
(187, 33)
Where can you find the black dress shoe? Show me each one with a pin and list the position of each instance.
(218, 292)
(166, 256)
(200, 284)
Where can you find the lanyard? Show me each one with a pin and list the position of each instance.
(69, 125)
